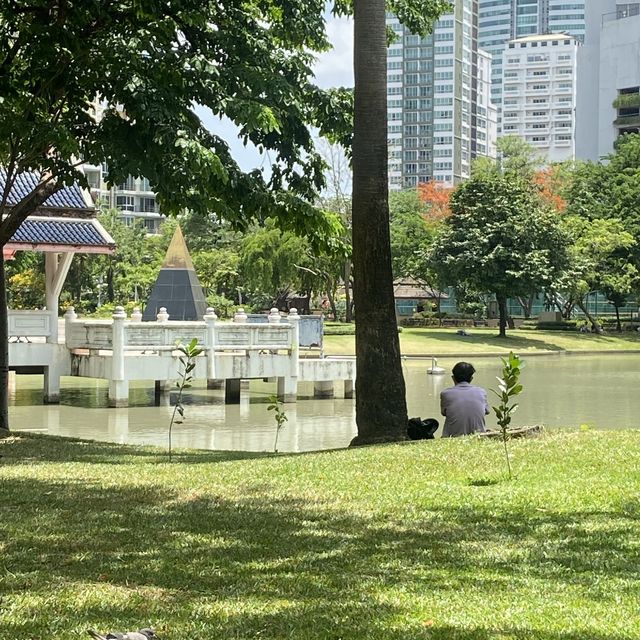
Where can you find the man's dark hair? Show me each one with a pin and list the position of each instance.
(463, 372)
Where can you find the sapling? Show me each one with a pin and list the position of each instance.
(508, 387)
(188, 363)
(279, 416)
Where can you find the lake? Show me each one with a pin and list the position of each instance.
(600, 391)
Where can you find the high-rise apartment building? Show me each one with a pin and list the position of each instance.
(503, 20)
(539, 93)
(608, 77)
(133, 198)
(439, 112)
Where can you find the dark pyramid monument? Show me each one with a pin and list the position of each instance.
(177, 287)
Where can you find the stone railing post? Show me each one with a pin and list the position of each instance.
(294, 321)
(274, 316)
(69, 316)
(162, 316)
(136, 315)
(117, 344)
(210, 318)
(118, 386)
(240, 316)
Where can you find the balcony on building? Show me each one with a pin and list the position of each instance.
(627, 106)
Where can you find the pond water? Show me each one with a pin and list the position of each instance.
(560, 391)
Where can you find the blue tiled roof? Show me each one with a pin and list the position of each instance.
(67, 198)
(60, 231)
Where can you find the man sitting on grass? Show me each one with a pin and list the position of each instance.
(463, 405)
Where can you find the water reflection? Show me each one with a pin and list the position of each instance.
(559, 391)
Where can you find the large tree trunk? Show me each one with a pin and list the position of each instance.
(381, 409)
(527, 305)
(4, 353)
(502, 312)
(8, 226)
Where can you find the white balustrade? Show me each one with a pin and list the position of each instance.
(29, 324)
(121, 349)
(165, 334)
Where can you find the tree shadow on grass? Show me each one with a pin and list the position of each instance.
(511, 341)
(37, 448)
(199, 565)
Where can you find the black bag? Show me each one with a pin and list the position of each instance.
(419, 429)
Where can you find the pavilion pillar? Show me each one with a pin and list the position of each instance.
(56, 268)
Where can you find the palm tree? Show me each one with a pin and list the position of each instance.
(381, 409)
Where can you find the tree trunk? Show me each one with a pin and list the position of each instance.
(618, 323)
(332, 304)
(4, 355)
(595, 325)
(111, 296)
(8, 226)
(527, 305)
(502, 312)
(347, 291)
(381, 409)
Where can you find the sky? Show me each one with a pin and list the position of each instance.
(333, 69)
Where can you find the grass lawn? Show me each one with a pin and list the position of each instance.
(414, 541)
(439, 342)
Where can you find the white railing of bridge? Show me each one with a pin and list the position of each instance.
(121, 335)
(30, 324)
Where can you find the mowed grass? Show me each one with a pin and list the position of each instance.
(422, 540)
(439, 342)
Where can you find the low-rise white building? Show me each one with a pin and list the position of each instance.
(609, 78)
(539, 93)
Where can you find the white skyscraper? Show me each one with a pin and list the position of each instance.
(439, 112)
(503, 20)
(539, 93)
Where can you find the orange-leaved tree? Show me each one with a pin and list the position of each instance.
(552, 182)
(437, 196)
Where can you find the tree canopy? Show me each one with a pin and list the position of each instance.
(147, 65)
(500, 239)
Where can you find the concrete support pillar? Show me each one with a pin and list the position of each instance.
(118, 393)
(215, 383)
(232, 391)
(323, 389)
(11, 383)
(51, 384)
(56, 268)
(164, 386)
(349, 389)
(287, 389)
